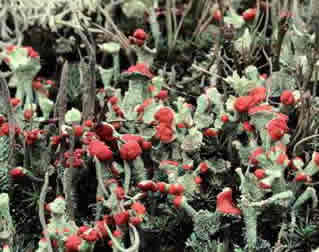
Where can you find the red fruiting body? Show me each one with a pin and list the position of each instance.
(302, 177)
(27, 114)
(264, 185)
(78, 130)
(187, 167)
(139, 208)
(136, 220)
(88, 123)
(105, 132)
(217, 16)
(37, 85)
(292, 165)
(260, 173)
(151, 88)
(147, 185)
(4, 130)
(255, 154)
(121, 218)
(146, 145)
(164, 133)
(120, 193)
(198, 180)
(203, 167)
(113, 100)
(259, 94)
(178, 200)
(165, 115)
(249, 14)
(73, 242)
(17, 172)
(248, 127)
(282, 159)
(225, 203)
(169, 162)
(50, 82)
(176, 189)
(130, 150)
(224, 118)
(287, 98)
(243, 103)
(100, 150)
(277, 128)
(131, 137)
(259, 108)
(162, 187)
(31, 52)
(82, 229)
(162, 95)
(31, 136)
(91, 235)
(100, 227)
(181, 125)
(140, 34)
(315, 158)
(140, 68)
(117, 233)
(14, 101)
(210, 133)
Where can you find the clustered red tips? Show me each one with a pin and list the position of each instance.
(210, 132)
(225, 203)
(139, 208)
(260, 173)
(147, 185)
(121, 218)
(130, 150)
(254, 155)
(176, 189)
(169, 162)
(73, 243)
(245, 103)
(100, 150)
(78, 130)
(132, 137)
(287, 98)
(15, 102)
(302, 177)
(105, 132)
(17, 172)
(28, 114)
(31, 136)
(5, 129)
(315, 158)
(164, 131)
(277, 127)
(259, 94)
(140, 68)
(162, 94)
(217, 16)
(203, 167)
(119, 192)
(139, 37)
(90, 235)
(31, 52)
(249, 14)
(165, 115)
(248, 127)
